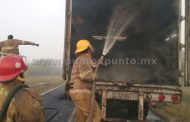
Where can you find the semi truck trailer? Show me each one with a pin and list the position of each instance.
(145, 64)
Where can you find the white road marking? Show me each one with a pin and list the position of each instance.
(51, 90)
(42, 83)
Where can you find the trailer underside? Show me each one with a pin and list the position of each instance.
(131, 101)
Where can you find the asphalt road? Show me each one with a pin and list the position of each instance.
(51, 99)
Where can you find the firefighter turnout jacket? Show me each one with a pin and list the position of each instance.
(25, 106)
(10, 46)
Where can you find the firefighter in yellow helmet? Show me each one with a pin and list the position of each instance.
(24, 104)
(82, 77)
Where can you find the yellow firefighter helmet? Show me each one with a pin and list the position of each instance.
(82, 45)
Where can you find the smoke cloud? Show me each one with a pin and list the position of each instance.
(146, 34)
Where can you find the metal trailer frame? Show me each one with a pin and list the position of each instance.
(186, 19)
(66, 57)
(122, 91)
(134, 92)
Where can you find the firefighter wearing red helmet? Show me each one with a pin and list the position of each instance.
(26, 105)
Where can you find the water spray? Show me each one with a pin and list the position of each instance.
(120, 19)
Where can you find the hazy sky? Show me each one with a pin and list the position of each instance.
(40, 21)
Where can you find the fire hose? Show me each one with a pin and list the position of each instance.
(93, 91)
(56, 112)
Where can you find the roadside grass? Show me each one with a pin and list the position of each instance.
(176, 112)
(44, 83)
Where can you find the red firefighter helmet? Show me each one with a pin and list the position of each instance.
(10, 67)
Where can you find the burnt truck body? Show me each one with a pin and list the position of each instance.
(143, 66)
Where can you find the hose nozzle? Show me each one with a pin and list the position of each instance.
(101, 60)
(102, 57)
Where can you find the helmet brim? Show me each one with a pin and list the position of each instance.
(79, 51)
(10, 77)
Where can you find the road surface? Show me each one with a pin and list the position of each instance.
(51, 99)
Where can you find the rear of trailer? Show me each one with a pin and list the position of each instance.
(145, 64)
